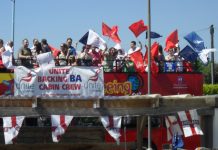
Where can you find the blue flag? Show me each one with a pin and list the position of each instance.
(84, 39)
(188, 54)
(177, 142)
(195, 41)
(153, 35)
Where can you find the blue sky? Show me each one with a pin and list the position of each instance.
(56, 20)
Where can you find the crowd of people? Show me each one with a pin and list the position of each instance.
(113, 59)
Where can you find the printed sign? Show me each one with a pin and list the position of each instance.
(60, 81)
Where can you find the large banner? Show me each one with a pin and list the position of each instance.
(117, 84)
(59, 81)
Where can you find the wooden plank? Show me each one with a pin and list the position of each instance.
(92, 112)
(72, 146)
(133, 106)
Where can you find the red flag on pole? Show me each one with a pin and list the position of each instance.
(172, 40)
(138, 27)
(111, 32)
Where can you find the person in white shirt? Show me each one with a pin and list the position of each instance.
(133, 47)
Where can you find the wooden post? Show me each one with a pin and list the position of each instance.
(139, 134)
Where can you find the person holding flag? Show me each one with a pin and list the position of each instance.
(133, 47)
(136, 56)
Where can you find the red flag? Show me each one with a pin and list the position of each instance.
(54, 50)
(154, 52)
(137, 58)
(138, 27)
(172, 40)
(154, 68)
(111, 32)
(114, 35)
(106, 30)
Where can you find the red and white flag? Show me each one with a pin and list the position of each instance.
(11, 126)
(112, 124)
(59, 126)
(190, 123)
(172, 127)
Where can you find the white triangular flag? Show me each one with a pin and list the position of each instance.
(7, 57)
(59, 126)
(11, 127)
(112, 124)
(203, 55)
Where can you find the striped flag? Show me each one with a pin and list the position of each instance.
(190, 123)
(59, 126)
(112, 124)
(173, 127)
(11, 126)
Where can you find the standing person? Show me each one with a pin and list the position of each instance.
(25, 54)
(45, 47)
(9, 46)
(133, 47)
(36, 49)
(2, 49)
(85, 57)
(109, 58)
(170, 56)
(160, 59)
(62, 57)
(71, 49)
(96, 57)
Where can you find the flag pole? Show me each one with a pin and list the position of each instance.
(13, 21)
(149, 69)
(212, 53)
